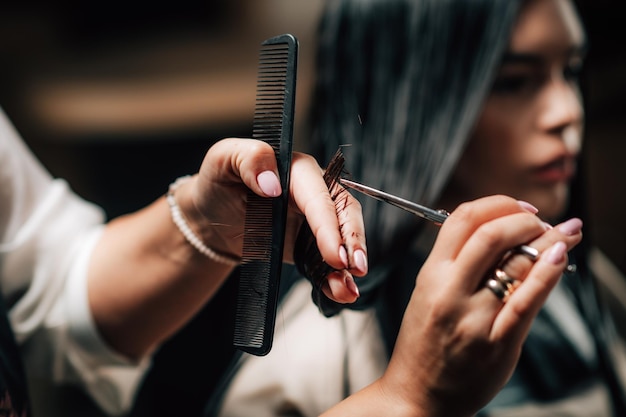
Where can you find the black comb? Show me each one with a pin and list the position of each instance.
(266, 218)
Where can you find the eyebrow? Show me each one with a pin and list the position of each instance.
(537, 59)
(522, 58)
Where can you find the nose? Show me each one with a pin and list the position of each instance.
(562, 110)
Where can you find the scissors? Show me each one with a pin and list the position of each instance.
(435, 216)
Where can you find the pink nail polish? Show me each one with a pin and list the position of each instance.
(352, 285)
(528, 207)
(556, 253)
(360, 260)
(343, 255)
(571, 227)
(269, 183)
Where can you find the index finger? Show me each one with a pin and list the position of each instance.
(336, 221)
(468, 217)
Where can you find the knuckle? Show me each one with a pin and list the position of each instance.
(301, 160)
(490, 235)
(465, 210)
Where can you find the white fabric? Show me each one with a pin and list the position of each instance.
(612, 286)
(307, 344)
(47, 234)
(303, 374)
(565, 316)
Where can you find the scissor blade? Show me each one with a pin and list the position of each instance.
(437, 216)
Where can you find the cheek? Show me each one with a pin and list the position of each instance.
(493, 157)
(490, 148)
(503, 134)
(499, 127)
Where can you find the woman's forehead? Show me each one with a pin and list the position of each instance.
(547, 26)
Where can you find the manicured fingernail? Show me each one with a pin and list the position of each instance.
(352, 285)
(571, 227)
(360, 260)
(556, 253)
(343, 255)
(269, 183)
(547, 225)
(528, 207)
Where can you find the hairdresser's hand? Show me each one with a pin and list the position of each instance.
(459, 343)
(215, 204)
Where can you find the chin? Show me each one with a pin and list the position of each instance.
(551, 203)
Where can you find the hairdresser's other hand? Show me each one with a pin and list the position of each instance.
(215, 203)
(459, 343)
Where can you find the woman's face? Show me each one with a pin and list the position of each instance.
(529, 134)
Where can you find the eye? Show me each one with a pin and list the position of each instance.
(516, 83)
(573, 70)
(509, 84)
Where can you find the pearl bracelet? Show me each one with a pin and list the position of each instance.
(190, 236)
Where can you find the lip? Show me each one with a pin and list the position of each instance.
(558, 170)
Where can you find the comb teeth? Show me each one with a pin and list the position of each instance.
(270, 99)
(266, 218)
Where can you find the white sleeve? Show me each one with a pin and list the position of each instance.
(47, 235)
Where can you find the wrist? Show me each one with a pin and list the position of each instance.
(191, 224)
(398, 403)
(415, 400)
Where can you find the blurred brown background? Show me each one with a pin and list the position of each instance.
(605, 89)
(121, 97)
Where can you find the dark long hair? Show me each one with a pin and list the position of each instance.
(402, 83)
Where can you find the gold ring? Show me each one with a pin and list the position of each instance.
(499, 289)
(510, 283)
